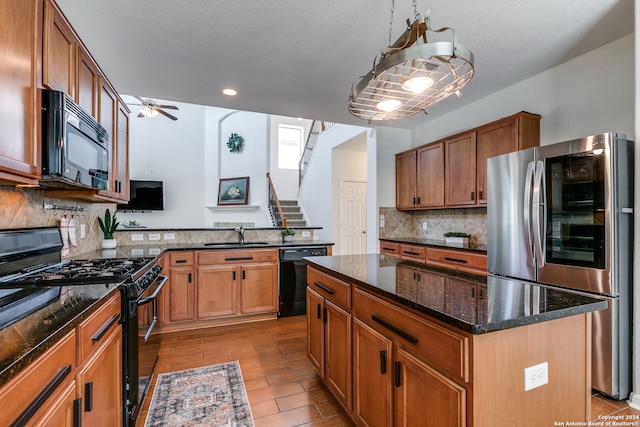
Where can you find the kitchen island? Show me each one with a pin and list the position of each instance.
(431, 346)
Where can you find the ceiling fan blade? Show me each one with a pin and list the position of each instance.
(164, 113)
(140, 105)
(169, 107)
(141, 115)
(140, 99)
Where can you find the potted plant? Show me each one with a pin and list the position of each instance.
(108, 227)
(457, 238)
(287, 234)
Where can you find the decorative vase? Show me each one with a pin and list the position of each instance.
(288, 238)
(109, 244)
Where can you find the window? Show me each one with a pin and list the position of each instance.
(289, 146)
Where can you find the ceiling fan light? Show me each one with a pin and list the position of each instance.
(388, 105)
(417, 84)
(152, 112)
(146, 111)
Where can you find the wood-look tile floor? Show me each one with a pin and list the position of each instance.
(282, 387)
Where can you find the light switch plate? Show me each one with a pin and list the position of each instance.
(137, 237)
(154, 236)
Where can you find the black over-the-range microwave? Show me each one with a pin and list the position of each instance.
(75, 147)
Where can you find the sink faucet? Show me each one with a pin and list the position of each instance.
(240, 231)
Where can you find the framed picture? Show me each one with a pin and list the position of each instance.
(233, 191)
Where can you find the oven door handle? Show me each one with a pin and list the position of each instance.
(143, 301)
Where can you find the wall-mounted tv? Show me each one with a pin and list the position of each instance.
(144, 196)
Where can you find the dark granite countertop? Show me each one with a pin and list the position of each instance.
(440, 243)
(152, 249)
(472, 303)
(28, 338)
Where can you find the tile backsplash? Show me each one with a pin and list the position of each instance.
(409, 224)
(24, 208)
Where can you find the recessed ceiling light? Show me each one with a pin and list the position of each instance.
(229, 92)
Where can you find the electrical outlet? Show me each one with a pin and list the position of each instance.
(536, 376)
(306, 233)
(424, 225)
(154, 236)
(83, 231)
(137, 237)
(169, 236)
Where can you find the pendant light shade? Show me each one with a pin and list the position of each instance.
(411, 76)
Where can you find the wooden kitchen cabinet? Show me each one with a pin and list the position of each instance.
(419, 182)
(259, 288)
(67, 66)
(88, 76)
(217, 291)
(451, 172)
(59, 53)
(213, 284)
(416, 385)
(415, 253)
(460, 170)
(372, 382)
(389, 248)
(54, 371)
(329, 333)
(458, 259)
(20, 43)
(517, 132)
(180, 301)
(61, 410)
(400, 362)
(100, 382)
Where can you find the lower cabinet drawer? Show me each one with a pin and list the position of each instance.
(441, 348)
(390, 248)
(51, 372)
(458, 260)
(413, 252)
(237, 256)
(97, 325)
(329, 287)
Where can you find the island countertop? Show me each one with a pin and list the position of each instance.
(471, 303)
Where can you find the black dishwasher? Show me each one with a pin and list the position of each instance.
(293, 279)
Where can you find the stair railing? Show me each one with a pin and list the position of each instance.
(274, 203)
(317, 127)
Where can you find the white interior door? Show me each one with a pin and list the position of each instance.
(353, 217)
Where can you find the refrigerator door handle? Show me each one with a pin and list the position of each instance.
(528, 184)
(540, 224)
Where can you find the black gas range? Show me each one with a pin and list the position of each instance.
(32, 275)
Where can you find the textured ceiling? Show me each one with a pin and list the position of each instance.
(299, 58)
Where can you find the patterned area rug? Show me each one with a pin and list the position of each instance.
(211, 396)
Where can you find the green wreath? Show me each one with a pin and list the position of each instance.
(235, 143)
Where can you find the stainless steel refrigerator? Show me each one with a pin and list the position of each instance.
(561, 215)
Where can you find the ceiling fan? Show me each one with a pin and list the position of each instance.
(152, 108)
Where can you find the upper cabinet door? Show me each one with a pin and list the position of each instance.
(19, 41)
(430, 179)
(460, 182)
(87, 83)
(58, 65)
(517, 132)
(406, 172)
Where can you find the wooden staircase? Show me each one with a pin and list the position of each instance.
(292, 213)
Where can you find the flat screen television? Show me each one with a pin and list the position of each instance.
(144, 196)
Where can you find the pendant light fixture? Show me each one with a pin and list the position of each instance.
(411, 74)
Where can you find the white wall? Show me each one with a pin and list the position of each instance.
(164, 150)
(316, 191)
(590, 94)
(348, 163)
(190, 155)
